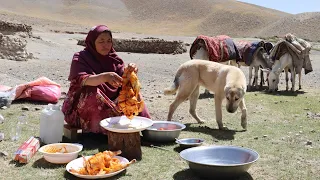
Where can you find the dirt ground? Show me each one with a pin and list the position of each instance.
(54, 51)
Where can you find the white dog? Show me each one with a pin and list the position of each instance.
(225, 81)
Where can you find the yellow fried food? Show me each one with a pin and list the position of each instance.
(54, 149)
(129, 101)
(102, 163)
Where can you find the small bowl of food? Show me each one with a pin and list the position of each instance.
(163, 131)
(60, 153)
(189, 142)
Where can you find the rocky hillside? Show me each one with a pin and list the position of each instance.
(304, 25)
(167, 17)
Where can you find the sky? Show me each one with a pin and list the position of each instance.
(289, 6)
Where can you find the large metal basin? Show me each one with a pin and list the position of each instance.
(163, 131)
(219, 161)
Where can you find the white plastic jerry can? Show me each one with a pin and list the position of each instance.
(51, 124)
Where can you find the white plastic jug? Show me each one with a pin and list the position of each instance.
(51, 124)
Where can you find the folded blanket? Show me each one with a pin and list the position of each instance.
(220, 48)
(298, 43)
(247, 50)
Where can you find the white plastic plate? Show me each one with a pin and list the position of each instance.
(121, 124)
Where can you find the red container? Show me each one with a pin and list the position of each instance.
(27, 150)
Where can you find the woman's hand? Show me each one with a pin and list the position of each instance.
(113, 79)
(132, 67)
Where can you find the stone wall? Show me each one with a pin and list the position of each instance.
(12, 41)
(13, 48)
(158, 46)
(7, 28)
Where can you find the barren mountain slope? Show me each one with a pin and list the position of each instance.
(304, 25)
(179, 17)
(239, 19)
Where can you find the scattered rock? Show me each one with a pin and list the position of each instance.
(37, 37)
(265, 136)
(256, 137)
(1, 119)
(309, 143)
(37, 108)
(4, 154)
(150, 38)
(63, 95)
(300, 132)
(25, 108)
(313, 115)
(313, 131)
(1, 136)
(307, 109)
(276, 102)
(317, 115)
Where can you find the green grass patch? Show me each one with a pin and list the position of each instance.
(279, 126)
(315, 48)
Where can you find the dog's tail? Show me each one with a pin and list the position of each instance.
(174, 87)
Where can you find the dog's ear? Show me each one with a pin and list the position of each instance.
(241, 91)
(226, 90)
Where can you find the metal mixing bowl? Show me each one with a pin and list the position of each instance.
(219, 161)
(189, 142)
(163, 131)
